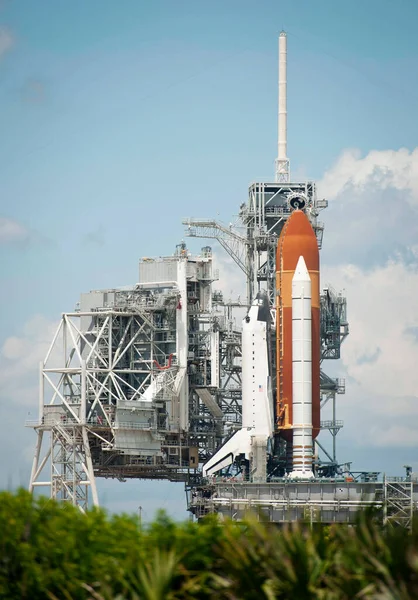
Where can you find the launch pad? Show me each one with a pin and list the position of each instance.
(160, 381)
(323, 501)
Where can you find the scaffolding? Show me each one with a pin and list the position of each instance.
(139, 382)
(398, 501)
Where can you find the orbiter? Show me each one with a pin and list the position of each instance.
(257, 399)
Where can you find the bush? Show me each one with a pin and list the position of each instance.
(51, 550)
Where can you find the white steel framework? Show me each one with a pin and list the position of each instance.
(141, 382)
(399, 501)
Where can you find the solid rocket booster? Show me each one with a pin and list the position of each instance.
(302, 372)
(257, 399)
(297, 239)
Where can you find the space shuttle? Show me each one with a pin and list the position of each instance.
(257, 398)
(295, 417)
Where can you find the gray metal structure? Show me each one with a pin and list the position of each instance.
(400, 500)
(139, 382)
(330, 500)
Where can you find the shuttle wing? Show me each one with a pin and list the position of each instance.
(239, 443)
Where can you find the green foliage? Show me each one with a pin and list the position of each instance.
(53, 551)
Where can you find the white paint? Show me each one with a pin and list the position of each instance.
(240, 443)
(302, 372)
(214, 359)
(257, 409)
(182, 342)
(282, 162)
(282, 133)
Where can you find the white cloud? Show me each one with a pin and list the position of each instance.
(6, 40)
(12, 347)
(385, 169)
(231, 283)
(370, 252)
(231, 280)
(380, 352)
(20, 356)
(373, 208)
(12, 231)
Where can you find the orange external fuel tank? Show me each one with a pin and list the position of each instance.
(296, 239)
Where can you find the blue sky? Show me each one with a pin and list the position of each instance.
(117, 119)
(109, 110)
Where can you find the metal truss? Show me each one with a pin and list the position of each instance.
(263, 217)
(282, 170)
(216, 411)
(230, 240)
(334, 324)
(398, 502)
(70, 466)
(329, 390)
(326, 500)
(110, 388)
(99, 361)
(323, 501)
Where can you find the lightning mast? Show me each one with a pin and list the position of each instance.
(253, 244)
(282, 162)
